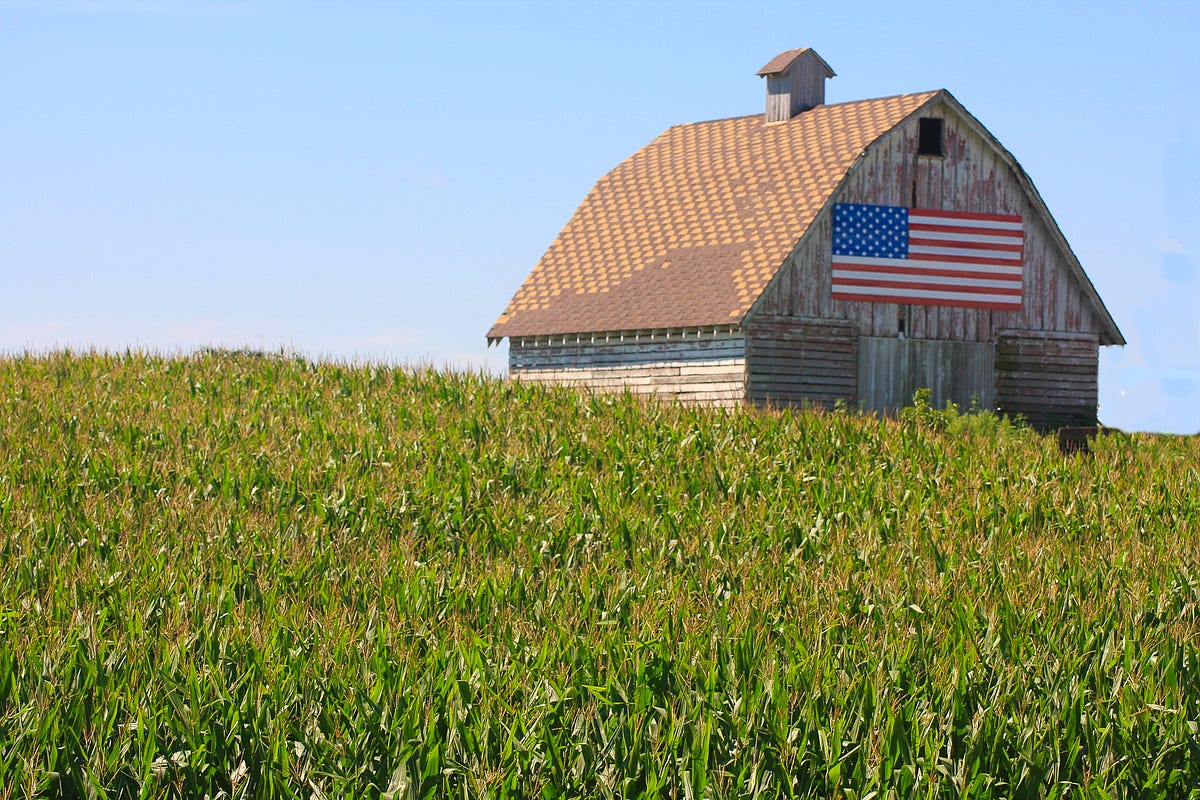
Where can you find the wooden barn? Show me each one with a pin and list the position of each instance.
(850, 253)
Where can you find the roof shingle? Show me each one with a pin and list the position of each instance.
(782, 61)
(689, 230)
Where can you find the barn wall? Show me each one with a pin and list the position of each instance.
(971, 177)
(1045, 353)
(792, 361)
(708, 370)
(891, 370)
(1050, 379)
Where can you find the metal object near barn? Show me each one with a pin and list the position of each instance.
(818, 254)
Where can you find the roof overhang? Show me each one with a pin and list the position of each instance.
(784, 60)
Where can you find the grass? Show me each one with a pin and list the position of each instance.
(254, 576)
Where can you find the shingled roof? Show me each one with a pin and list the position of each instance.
(689, 230)
(784, 60)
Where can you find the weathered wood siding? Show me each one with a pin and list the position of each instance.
(1050, 379)
(1046, 372)
(797, 89)
(792, 361)
(890, 371)
(972, 177)
(703, 369)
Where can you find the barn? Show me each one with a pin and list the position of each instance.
(848, 253)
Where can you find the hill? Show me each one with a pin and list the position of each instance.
(255, 576)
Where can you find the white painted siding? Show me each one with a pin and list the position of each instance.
(701, 368)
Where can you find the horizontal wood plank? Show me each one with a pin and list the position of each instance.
(711, 382)
(792, 361)
(1048, 377)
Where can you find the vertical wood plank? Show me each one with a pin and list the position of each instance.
(1060, 300)
(890, 371)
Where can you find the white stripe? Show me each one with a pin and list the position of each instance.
(943, 280)
(1007, 255)
(915, 217)
(965, 237)
(929, 294)
(917, 263)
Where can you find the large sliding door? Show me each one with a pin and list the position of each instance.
(891, 370)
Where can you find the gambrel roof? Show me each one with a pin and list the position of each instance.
(688, 231)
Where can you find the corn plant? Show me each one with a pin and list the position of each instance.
(250, 575)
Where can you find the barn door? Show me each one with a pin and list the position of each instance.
(890, 371)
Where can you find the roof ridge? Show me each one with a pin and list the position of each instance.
(814, 108)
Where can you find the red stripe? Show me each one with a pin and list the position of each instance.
(923, 301)
(929, 287)
(941, 273)
(1006, 248)
(999, 262)
(921, 226)
(928, 212)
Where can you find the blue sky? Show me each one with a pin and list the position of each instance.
(371, 180)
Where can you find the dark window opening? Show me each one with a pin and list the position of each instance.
(900, 326)
(929, 138)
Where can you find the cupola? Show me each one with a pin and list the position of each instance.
(795, 83)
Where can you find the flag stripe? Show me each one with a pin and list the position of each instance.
(927, 248)
(915, 282)
(964, 215)
(962, 237)
(1003, 228)
(959, 300)
(1006, 228)
(1007, 235)
(998, 268)
(926, 256)
(945, 276)
(935, 257)
(1000, 262)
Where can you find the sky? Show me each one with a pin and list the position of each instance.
(372, 181)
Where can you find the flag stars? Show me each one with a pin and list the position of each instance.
(867, 230)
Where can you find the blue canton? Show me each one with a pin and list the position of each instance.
(873, 231)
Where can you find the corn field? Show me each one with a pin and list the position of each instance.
(243, 575)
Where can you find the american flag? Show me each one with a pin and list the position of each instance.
(892, 254)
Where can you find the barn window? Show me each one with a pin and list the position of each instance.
(929, 138)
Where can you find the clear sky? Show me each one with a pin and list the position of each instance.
(373, 180)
